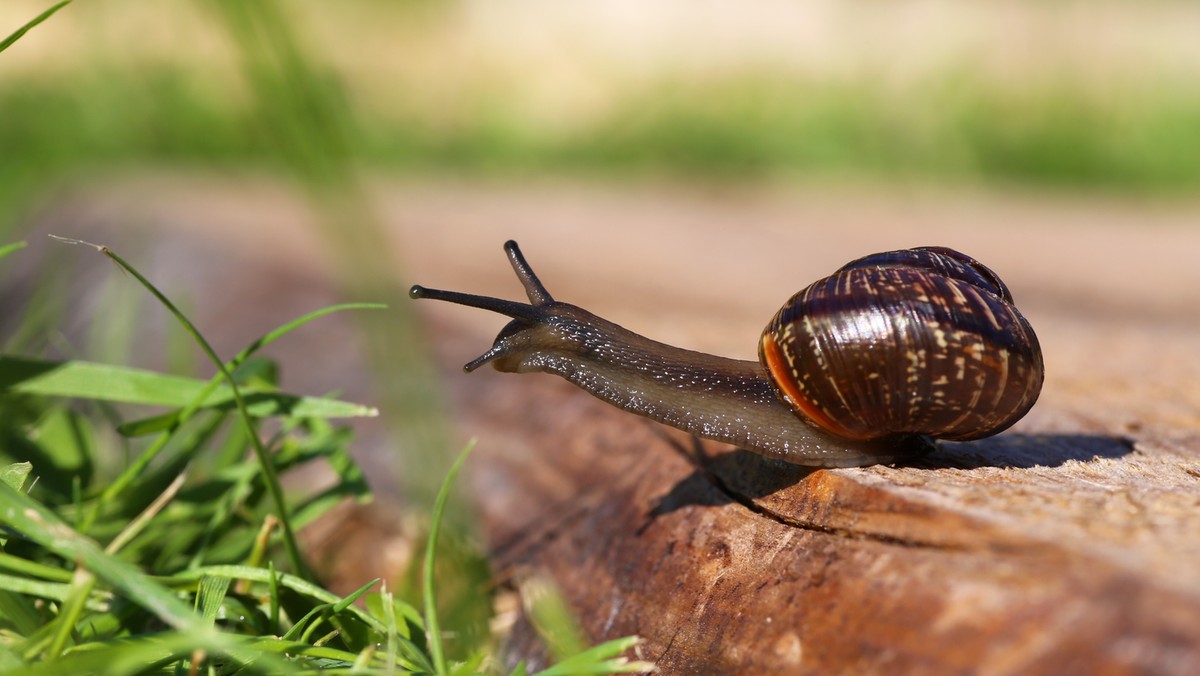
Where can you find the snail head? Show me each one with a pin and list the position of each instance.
(538, 329)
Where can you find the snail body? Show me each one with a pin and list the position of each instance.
(864, 366)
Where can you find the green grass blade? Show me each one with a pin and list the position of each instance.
(8, 41)
(276, 333)
(273, 606)
(135, 654)
(15, 474)
(17, 564)
(82, 585)
(552, 618)
(354, 596)
(432, 631)
(601, 659)
(18, 612)
(393, 628)
(37, 523)
(262, 575)
(55, 591)
(304, 626)
(397, 618)
(274, 645)
(9, 248)
(470, 667)
(210, 594)
(121, 384)
(564, 639)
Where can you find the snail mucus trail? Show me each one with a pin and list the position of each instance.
(902, 346)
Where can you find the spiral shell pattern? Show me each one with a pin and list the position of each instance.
(919, 341)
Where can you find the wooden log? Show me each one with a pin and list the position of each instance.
(1045, 552)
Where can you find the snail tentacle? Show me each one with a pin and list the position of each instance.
(538, 295)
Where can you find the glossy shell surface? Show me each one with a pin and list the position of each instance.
(919, 341)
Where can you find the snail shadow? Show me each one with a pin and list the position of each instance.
(743, 477)
(716, 480)
(1022, 451)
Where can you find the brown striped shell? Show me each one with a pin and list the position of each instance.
(919, 341)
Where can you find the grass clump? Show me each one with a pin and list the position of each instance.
(138, 543)
(181, 560)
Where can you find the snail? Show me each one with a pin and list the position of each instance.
(867, 365)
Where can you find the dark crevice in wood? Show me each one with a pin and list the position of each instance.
(666, 651)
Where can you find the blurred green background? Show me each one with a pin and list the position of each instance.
(1077, 95)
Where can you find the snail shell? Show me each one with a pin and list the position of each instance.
(922, 341)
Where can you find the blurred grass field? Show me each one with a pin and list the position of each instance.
(1091, 96)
